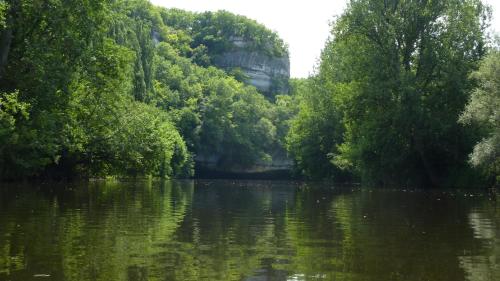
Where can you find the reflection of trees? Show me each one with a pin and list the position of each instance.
(243, 231)
(382, 235)
(116, 231)
(235, 232)
(484, 264)
(398, 236)
(100, 232)
(123, 242)
(313, 235)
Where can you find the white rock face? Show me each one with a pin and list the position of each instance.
(263, 71)
(239, 42)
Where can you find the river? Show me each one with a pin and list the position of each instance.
(245, 230)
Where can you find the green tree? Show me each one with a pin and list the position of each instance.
(12, 112)
(217, 115)
(77, 66)
(315, 130)
(123, 88)
(110, 133)
(3, 13)
(42, 45)
(398, 72)
(215, 30)
(483, 108)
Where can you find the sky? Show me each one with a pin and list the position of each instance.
(303, 25)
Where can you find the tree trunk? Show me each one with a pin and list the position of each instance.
(429, 169)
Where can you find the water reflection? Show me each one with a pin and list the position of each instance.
(484, 264)
(225, 230)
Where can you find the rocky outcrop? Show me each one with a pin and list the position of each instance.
(268, 74)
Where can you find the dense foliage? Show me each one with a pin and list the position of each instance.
(391, 84)
(123, 88)
(217, 30)
(315, 130)
(119, 88)
(483, 108)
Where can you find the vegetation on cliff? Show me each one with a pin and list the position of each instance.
(104, 88)
(217, 31)
(406, 93)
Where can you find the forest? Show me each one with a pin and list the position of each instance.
(406, 93)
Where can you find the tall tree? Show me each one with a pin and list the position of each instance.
(398, 71)
(315, 130)
(43, 43)
(483, 108)
(67, 93)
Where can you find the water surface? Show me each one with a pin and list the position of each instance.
(245, 230)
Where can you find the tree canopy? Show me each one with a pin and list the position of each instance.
(124, 88)
(395, 75)
(483, 109)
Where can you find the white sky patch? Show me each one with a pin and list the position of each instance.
(303, 25)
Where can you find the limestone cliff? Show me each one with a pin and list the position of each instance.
(269, 74)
